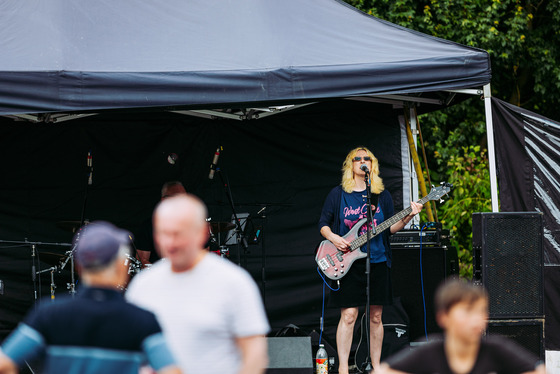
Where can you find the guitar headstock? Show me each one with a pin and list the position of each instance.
(437, 193)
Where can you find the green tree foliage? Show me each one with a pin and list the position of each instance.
(523, 40)
(522, 37)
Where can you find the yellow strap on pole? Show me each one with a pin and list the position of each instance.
(416, 162)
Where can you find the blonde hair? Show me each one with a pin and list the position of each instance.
(348, 182)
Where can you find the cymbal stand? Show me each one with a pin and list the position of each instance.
(35, 259)
(241, 239)
(53, 285)
(71, 287)
(34, 270)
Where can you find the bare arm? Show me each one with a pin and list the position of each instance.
(254, 355)
(338, 241)
(143, 256)
(416, 208)
(170, 370)
(7, 366)
(385, 369)
(538, 370)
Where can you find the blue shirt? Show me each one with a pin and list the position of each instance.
(330, 215)
(353, 208)
(95, 332)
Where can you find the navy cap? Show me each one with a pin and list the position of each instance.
(98, 243)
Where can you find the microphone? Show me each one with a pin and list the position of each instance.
(214, 163)
(90, 166)
(364, 168)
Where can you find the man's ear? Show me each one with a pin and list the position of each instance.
(441, 319)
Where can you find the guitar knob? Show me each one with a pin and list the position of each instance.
(335, 269)
(341, 265)
(342, 272)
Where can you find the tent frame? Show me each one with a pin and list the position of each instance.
(397, 101)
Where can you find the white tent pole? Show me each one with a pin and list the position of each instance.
(491, 150)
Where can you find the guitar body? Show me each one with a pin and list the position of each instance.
(335, 263)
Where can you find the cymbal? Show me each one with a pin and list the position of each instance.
(69, 225)
(51, 258)
(221, 226)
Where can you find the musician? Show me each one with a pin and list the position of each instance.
(345, 205)
(146, 251)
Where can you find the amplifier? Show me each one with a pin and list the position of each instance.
(413, 238)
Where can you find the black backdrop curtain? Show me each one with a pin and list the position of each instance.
(286, 163)
(528, 163)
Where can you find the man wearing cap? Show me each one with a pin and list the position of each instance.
(209, 308)
(97, 331)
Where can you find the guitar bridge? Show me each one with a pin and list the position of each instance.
(323, 264)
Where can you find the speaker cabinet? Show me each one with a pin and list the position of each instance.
(508, 259)
(290, 355)
(528, 333)
(416, 274)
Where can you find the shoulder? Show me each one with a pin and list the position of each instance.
(213, 264)
(148, 280)
(416, 357)
(385, 195)
(334, 192)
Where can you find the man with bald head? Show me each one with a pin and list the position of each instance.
(210, 309)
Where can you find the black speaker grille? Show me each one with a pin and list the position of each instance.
(527, 333)
(512, 265)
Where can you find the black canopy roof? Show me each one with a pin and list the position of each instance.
(61, 56)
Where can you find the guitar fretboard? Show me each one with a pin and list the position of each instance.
(361, 240)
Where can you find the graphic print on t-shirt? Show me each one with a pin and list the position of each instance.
(353, 209)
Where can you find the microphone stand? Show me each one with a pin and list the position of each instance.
(369, 223)
(240, 235)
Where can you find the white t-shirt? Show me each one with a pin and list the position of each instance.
(202, 311)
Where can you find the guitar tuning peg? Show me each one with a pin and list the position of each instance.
(441, 201)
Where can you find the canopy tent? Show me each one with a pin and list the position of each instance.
(235, 59)
(88, 56)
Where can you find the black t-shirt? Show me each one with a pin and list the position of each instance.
(497, 355)
(144, 240)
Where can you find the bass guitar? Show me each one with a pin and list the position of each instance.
(335, 263)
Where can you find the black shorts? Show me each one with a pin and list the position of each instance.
(352, 291)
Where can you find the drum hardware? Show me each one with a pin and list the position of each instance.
(53, 285)
(221, 226)
(134, 265)
(71, 226)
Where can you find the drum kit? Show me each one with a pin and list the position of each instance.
(58, 262)
(215, 243)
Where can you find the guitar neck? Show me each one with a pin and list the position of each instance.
(358, 242)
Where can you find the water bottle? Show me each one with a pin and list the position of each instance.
(321, 361)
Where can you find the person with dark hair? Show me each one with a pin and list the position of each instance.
(145, 250)
(462, 312)
(97, 331)
(346, 205)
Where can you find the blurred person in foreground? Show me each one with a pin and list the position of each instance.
(96, 331)
(210, 309)
(462, 312)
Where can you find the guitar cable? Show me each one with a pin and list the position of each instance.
(321, 322)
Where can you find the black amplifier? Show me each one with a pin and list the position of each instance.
(415, 238)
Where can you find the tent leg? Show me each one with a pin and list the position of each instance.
(491, 150)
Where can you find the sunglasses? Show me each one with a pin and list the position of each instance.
(358, 158)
